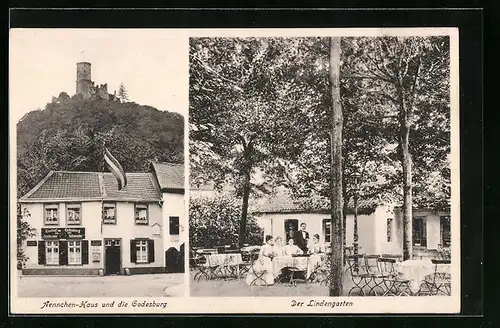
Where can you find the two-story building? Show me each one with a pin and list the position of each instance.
(86, 226)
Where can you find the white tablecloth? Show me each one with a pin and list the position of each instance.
(214, 260)
(417, 270)
(308, 264)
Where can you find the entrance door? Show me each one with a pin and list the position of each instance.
(112, 256)
(291, 225)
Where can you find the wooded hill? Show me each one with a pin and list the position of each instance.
(69, 134)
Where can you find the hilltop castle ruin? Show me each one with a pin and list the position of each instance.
(85, 86)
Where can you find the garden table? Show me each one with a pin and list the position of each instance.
(307, 263)
(225, 265)
(416, 271)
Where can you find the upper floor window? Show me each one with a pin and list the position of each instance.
(174, 225)
(51, 214)
(73, 214)
(109, 213)
(141, 214)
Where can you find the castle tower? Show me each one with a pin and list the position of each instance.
(83, 79)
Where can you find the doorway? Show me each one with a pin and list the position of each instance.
(291, 225)
(419, 232)
(113, 259)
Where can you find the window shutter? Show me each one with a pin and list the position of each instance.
(133, 251)
(85, 252)
(41, 252)
(63, 253)
(151, 250)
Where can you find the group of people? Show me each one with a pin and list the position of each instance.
(298, 243)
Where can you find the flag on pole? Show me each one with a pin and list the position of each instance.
(115, 168)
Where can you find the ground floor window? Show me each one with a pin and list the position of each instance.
(142, 251)
(445, 231)
(74, 252)
(327, 229)
(52, 252)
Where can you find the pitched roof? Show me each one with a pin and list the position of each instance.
(140, 186)
(169, 175)
(283, 202)
(88, 186)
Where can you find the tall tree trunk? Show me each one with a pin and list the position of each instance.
(344, 221)
(244, 210)
(407, 192)
(247, 171)
(336, 171)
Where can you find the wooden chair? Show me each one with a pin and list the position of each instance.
(359, 275)
(439, 282)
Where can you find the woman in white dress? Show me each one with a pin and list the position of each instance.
(315, 247)
(278, 247)
(263, 267)
(292, 249)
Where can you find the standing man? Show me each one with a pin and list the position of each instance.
(302, 237)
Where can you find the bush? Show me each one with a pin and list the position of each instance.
(215, 222)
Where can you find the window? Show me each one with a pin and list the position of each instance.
(74, 252)
(108, 213)
(445, 231)
(141, 214)
(327, 225)
(52, 252)
(73, 214)
(142, 251)
(51, 217)
(419, 231)
(389, 230)
(174, 225)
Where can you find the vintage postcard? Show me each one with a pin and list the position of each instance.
(235, 171)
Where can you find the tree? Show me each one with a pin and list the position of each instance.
(248, 108)
(336, 171)
(405, 79)
(122, 93)
(24, 231)
(215, 222)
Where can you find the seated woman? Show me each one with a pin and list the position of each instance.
(292, 249)
(264, 265)
(278, 247)
(315, 247)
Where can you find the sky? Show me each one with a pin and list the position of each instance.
(152, 64)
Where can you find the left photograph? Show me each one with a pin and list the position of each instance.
(99, 143)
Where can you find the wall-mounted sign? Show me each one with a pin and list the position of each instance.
(96, 243)
(109, 220)
(75, 233)
(96, 257)
(53, 233)
(63, 233)
(31, 243)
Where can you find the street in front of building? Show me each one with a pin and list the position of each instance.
(147, 285)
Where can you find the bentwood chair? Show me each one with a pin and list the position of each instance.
(298, 274)
(439, 282)
(254, 257)
(359, 274)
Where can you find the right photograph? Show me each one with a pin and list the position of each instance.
(320, 166)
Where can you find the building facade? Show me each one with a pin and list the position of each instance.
(380, 226)
(86, 226)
